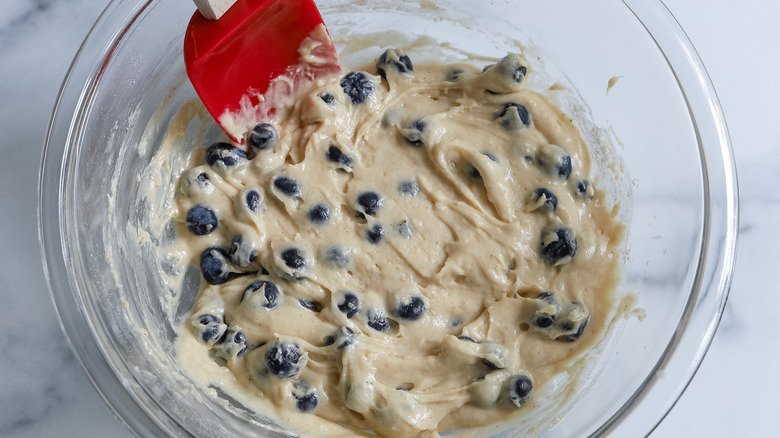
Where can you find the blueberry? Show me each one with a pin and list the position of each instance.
(550, 201)
(517, 390)
(554, 160)
(350, 305)
(327, 98)
(213, 265)
(337, 256)
(563, 168)
(232, 344)
(415, 132)
(378, 321)
(513, 116)
(285, 360)
(263, 136)
(411, 310)
(573, 323)
(311, 305)
(319, 214)
(271, 293)
(404, 229)
(202, 177)
(201, 220)
(357, 86)
(410, 188)
(225, 153)
(491, 157)
(547, 312)
(518, 73)
(472, 172)
(288, 186)
(242, 251)
(558, 244)
(209, 328)
(375, 234)
(306, 398)
(252, 199)
(454, 74)
(345, 338)
(394, 59)
(467, 339)
(584, 189)
(370, 202)
(294, 258)
(335, 155)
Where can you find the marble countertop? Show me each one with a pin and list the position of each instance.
(44, 391)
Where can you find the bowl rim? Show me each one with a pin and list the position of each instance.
(645, 408)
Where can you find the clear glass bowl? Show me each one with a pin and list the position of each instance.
(128, 81)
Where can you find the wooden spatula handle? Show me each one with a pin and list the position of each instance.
(213, 9)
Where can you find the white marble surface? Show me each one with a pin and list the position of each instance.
(44, 392)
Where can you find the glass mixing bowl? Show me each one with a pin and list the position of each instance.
(677, 191)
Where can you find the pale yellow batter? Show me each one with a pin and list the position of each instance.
(409, 253)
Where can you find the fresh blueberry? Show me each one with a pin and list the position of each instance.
(518, 73)
(285, 360)
(394, 59)
(252, 199)
(404, 229)
(558, 244)
(357, 86)
(294, 258)
(472, 172)
(305, 395)
(225, 153)
(337, 256)
(410, 188)
(454, 74)
(490, 364)
(271, 293)
(550, 202)
(214, 266)
(549, 306)
(201, 220)
(242, 252)
(319, 214)
(467, 339)
(335, 155)
(232, 344)
(375, 234)
(517, 390)
(327, 98)
(411, 310)
(345, 338)
(370, 202)
(209, 327)
(490, 156)
(350, 305)
(574, 323)
(288, 186)
(378, 321)
(513, 116)
(415, 132)
(263, 136)
(311, 305)
(554, 160)
(584, 189)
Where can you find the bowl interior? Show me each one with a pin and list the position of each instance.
(645, 142)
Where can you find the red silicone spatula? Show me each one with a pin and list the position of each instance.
(235, 56)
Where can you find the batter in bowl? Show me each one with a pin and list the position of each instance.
(409, 249)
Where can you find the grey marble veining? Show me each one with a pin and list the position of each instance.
(45, 393)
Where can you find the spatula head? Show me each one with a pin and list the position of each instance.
(238, 55)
